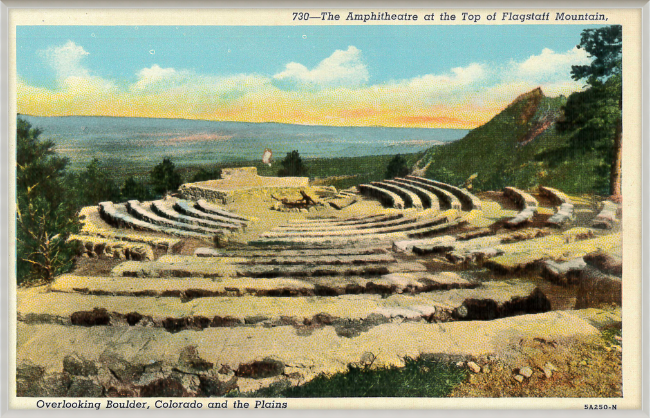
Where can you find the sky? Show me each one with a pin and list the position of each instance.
(398, 76)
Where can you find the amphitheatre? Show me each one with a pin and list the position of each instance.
(246, 281)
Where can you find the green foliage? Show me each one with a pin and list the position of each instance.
(605, 46)
(292, 165)
(204, 175)
(95, 185)
(133, 189)
(594, 117)
(45, 211)
(397, 167)
(418, 378)
(609, 334)
(165, 177)
(446, 176)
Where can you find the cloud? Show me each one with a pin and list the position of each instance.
(342, 68)
(334, 92)
(66, 60)
(459, 78)
(549, 65)
(155, 75)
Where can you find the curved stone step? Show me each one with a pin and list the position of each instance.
(217, 360)
(193, 288)
(346, 221)
(387, 197)
(522, 199)
(205, 206)
(402, 227)
(429, 199)
(190, 266)
(165, 210)
(92, 225)
(370, 220)
(448, 199)
(322, 260)
(187, 208)
(114, 216)
(45, 353)
(557, 197)
(410, 199)
(402, 220)
(522, 240)
(467, 199)
(307, 253)
(489, 301)
(370, 239)
(525, 202)
(524, 254)
(134, 207)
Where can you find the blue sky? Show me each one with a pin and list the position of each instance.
(288, 57)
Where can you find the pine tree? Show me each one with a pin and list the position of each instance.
(595, 115)
(397, 167)
(292, 165)
(45, 211)
(94, 185)
(165, 177)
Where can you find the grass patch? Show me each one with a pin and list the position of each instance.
(609, 334)
(419, 378)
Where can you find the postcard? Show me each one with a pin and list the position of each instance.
(325, 208)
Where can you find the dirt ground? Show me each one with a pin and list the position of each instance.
(584, 368)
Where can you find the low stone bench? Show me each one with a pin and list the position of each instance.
(522, 199)
(524, 254)
(610, 261)
(522, 217)
(338, 220)
(607, 216)
(186, 208)
(429, 200)
(562, 216)
(387, 197)
(165, 210)
(349, 222)
(444, 196)
(412, 225)
(115, 217)
(303, 253)
(344, 227)
(435, 229)
(134, 207)
(526, 203)
(203, 205)
(406, 246)
(563, 273)
(410, 199)
(557, 197)
(187, 266)
(468, 200)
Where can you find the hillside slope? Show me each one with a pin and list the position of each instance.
(518, 147)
